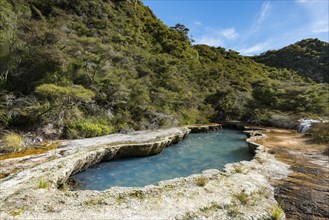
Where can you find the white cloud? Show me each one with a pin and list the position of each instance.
(264, 12)
(320, 26)
(217, 37)
(318, 13)
(211, 41)
(255, 49)
(259, 19)
(198, 23)
(229, 33)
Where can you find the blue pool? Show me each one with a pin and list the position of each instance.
(196, 153)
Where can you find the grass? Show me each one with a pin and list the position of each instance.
(87, 128)
(32, 150)
(277, 213)
(64, 187)
(12, 141)
(213, 207)
(201, 181)
(43, 184)
(16, 212)
(242, 197)
(233, 211)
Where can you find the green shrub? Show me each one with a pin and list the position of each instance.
(87, 128)
(319, 133)
(75, 92)
(282, 121)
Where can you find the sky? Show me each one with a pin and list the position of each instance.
(247, 26)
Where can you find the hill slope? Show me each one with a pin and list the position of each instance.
(308, 58)
(87, 68)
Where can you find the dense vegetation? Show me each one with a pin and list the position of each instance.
(319, 134)
(85, 68)
(308, 57)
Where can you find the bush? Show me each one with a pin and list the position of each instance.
(11, 142)
(319, 133)
(282, 121)
(75, 92)
(87, 128)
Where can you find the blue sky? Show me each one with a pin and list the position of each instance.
(247, 26)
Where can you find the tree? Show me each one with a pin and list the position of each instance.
(63, 98)
(182, 30)
(10, 46)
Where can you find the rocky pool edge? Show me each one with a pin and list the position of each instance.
(241, 190)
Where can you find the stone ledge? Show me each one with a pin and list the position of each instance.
(204, 128)
(241, 190)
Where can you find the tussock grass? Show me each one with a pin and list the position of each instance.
(277, 213)
(242, 197)
(11, 142)
(43, 184)
(201, 181)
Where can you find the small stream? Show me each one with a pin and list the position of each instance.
(196, 153)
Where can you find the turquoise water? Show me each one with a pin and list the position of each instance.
(196, 153)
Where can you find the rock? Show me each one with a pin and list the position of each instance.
(34, 193)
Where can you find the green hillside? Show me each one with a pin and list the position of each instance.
(309, 58)
(92, 67)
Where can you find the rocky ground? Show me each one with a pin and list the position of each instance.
(305, 193)
(241, 191)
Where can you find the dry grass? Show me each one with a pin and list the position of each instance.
(32, 150)
(11, 142)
